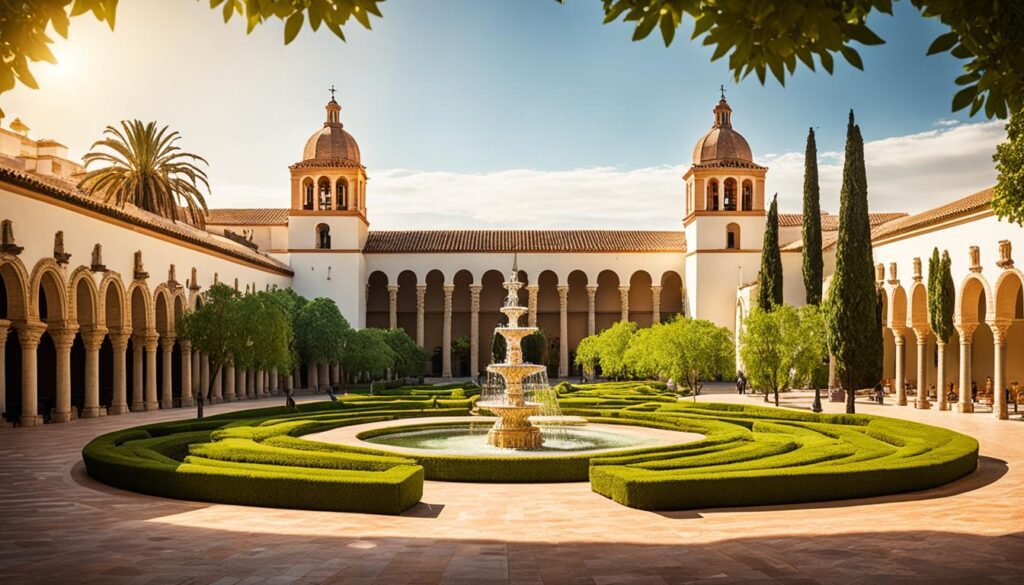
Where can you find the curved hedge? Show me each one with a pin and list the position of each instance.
(750, 455)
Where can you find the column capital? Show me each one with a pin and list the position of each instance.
(897, 335)
(93, 337)
(655, 287)
(5, 325)
(1000, 328)
(476, 288)
(563, 290)
(533, 287)
(448, 289)
(63, 337)
(186, 347)
(119, 338)
(966, 331)
(591, 289)
(393, 288)
(151, 339)
(167, 342)
(921, 332)
(29, 334)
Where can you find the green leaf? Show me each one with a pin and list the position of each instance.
(943, 43)
(852, 57)
(963, 98)
(292, 27)
(668, 29)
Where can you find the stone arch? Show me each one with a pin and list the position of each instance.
(377, 300)
(162, 311)
(433, 319)
(341, 194)
(974, 304)
(917, 313)
(747, 195)
(322, 237)
(713, 195)
(14, 281)
(492, 296)
(973, 300)
(896, 317)
(180, 303)
(671, 295)
(1009, 289)
(47, 287)
(549, 306)
(1009, 315)
(461, 309)
(83, 298)
(578, 308)
(140, 308)
(308, 193)
(730, 192)
(407, 302)
(323, 194)
(113, 300)
(607, 306)
(641, 298)
(732, 237)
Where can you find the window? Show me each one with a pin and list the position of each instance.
(323, 237)
(325, 194)
(342, 194)
(729, 201)
(748, 196)
(712, 204)
(307, 194)
(732, 237)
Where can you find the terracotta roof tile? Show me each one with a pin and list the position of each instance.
(970, 204)
(413, 241)
(830, 222)
(248, 216)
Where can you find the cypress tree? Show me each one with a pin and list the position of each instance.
(854, 333)
(812, 223)
(769, 290)
(941, 300)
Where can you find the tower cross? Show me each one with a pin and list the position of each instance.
(332, 90)
(721, 88)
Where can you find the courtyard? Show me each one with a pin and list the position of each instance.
(61, 526)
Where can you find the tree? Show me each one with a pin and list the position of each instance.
(409, 357)
(365, 350)
(769, 287)
(689, 351)
(535, 348)
(783, 349)
(941, 302)
(588, 355)
(146, 169)
(613, 344)
(269, 345)
(499, 348)
(1008, 199)
(216, 329)
(853, 332)
(320, 331)
(813, 267)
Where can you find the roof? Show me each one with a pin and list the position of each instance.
(830, 222)
(68, 193)
(484, 241)
(247, 216)
(965, 206)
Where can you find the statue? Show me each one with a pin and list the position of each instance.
(96, 263)
(975, 256)
(7, 245)
(139, 272)
(59, 254)
(172, 281)
(236, 284)
(1005, 254)
(193, 283)
(880, 272)
(892, 274)
(917, 269)
(216, 278)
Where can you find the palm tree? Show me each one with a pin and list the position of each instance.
(146, 169)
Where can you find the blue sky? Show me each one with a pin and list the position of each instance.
(460, 92)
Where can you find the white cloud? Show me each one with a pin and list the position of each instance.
(905, 173)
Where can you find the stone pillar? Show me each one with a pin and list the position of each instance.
(474, 328)
(312, 376)
(138, 374)
(240, 383)
(393, 306)
(229, 383)
(93, 339)
(624, 302)
(832, 383)
(421, 293)
(63, 339)
(289, 382)
(563, 330)
(446, 344)
(999, 406)
(185, 349)
(152, 343)
(5, 326)
(531, 303)
(259, 384)
(921, 334)
(335, 371)
(901, 378)
(29, 336)
(591, 302)
(166, 385)
(655, 304)
(325, 376)
(966, 336)
(250, 383)
(217, 386)
(119, 342)
(204, 375)
(940, 374)
(274, 379)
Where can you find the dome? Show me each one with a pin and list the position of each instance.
(332, 142)
(722, 143)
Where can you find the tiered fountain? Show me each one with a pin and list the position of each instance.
(513, 429)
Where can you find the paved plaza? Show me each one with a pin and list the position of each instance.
(59, 526)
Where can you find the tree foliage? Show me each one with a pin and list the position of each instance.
(853, 332)
(320, 331)
(588, 354)
(142, 166)
(408, 357)
(769, 286)
(688, 351)
(783, 348)
(941, 296)
(1008, 199)
(812, 262)
(535, 348)
(366, 350)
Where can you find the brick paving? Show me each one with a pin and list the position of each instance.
(59, 526)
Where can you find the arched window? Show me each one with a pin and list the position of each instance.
(712, 195)
(307, 194)
(323, 237)
(729, 192)
(748, 196)
(732, 237)
(341, 190)
(324, 193)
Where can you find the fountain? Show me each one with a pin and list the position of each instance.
(513, 429)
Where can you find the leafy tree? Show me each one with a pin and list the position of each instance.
(535, 348)
(689, 351)
(854, 334)
(1008, 199)
(613, 344)
(813, 267)
(320, 331)
(588, 354)
(146, 169)
(769, 287)
(409, 357)
(366, 350)
(268, 345)
(941, 302)
(782, 349)
(216, 328)
(499, 348)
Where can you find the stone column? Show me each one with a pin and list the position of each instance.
(563, 330)
(591, 317)
(325, 376)
(240, 383)
(921, 333)
(167, 384)
(204, 375)
(655, 304)
(393, 306)
(29, 335)
(196, 372)
(229, 383)
(259, 384)
(531, 303)
(999, 406)
(93, 339)
(138, 374)
(185, 349)
(312, 376)
(274, 379)
(421, 293)
(289, 382)
(832, 382)
(119, 343)
(335, 371)
(624, 302)
(940, 374)
(217, 386)
(966, 337)
(5, 326)
(446, 344)
(474, 328)
(901, 378)
(63, 339)
(152, 343)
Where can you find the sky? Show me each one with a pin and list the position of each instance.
(505, 113)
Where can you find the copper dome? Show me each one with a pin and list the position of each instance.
(332, 142)
(722, 143)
